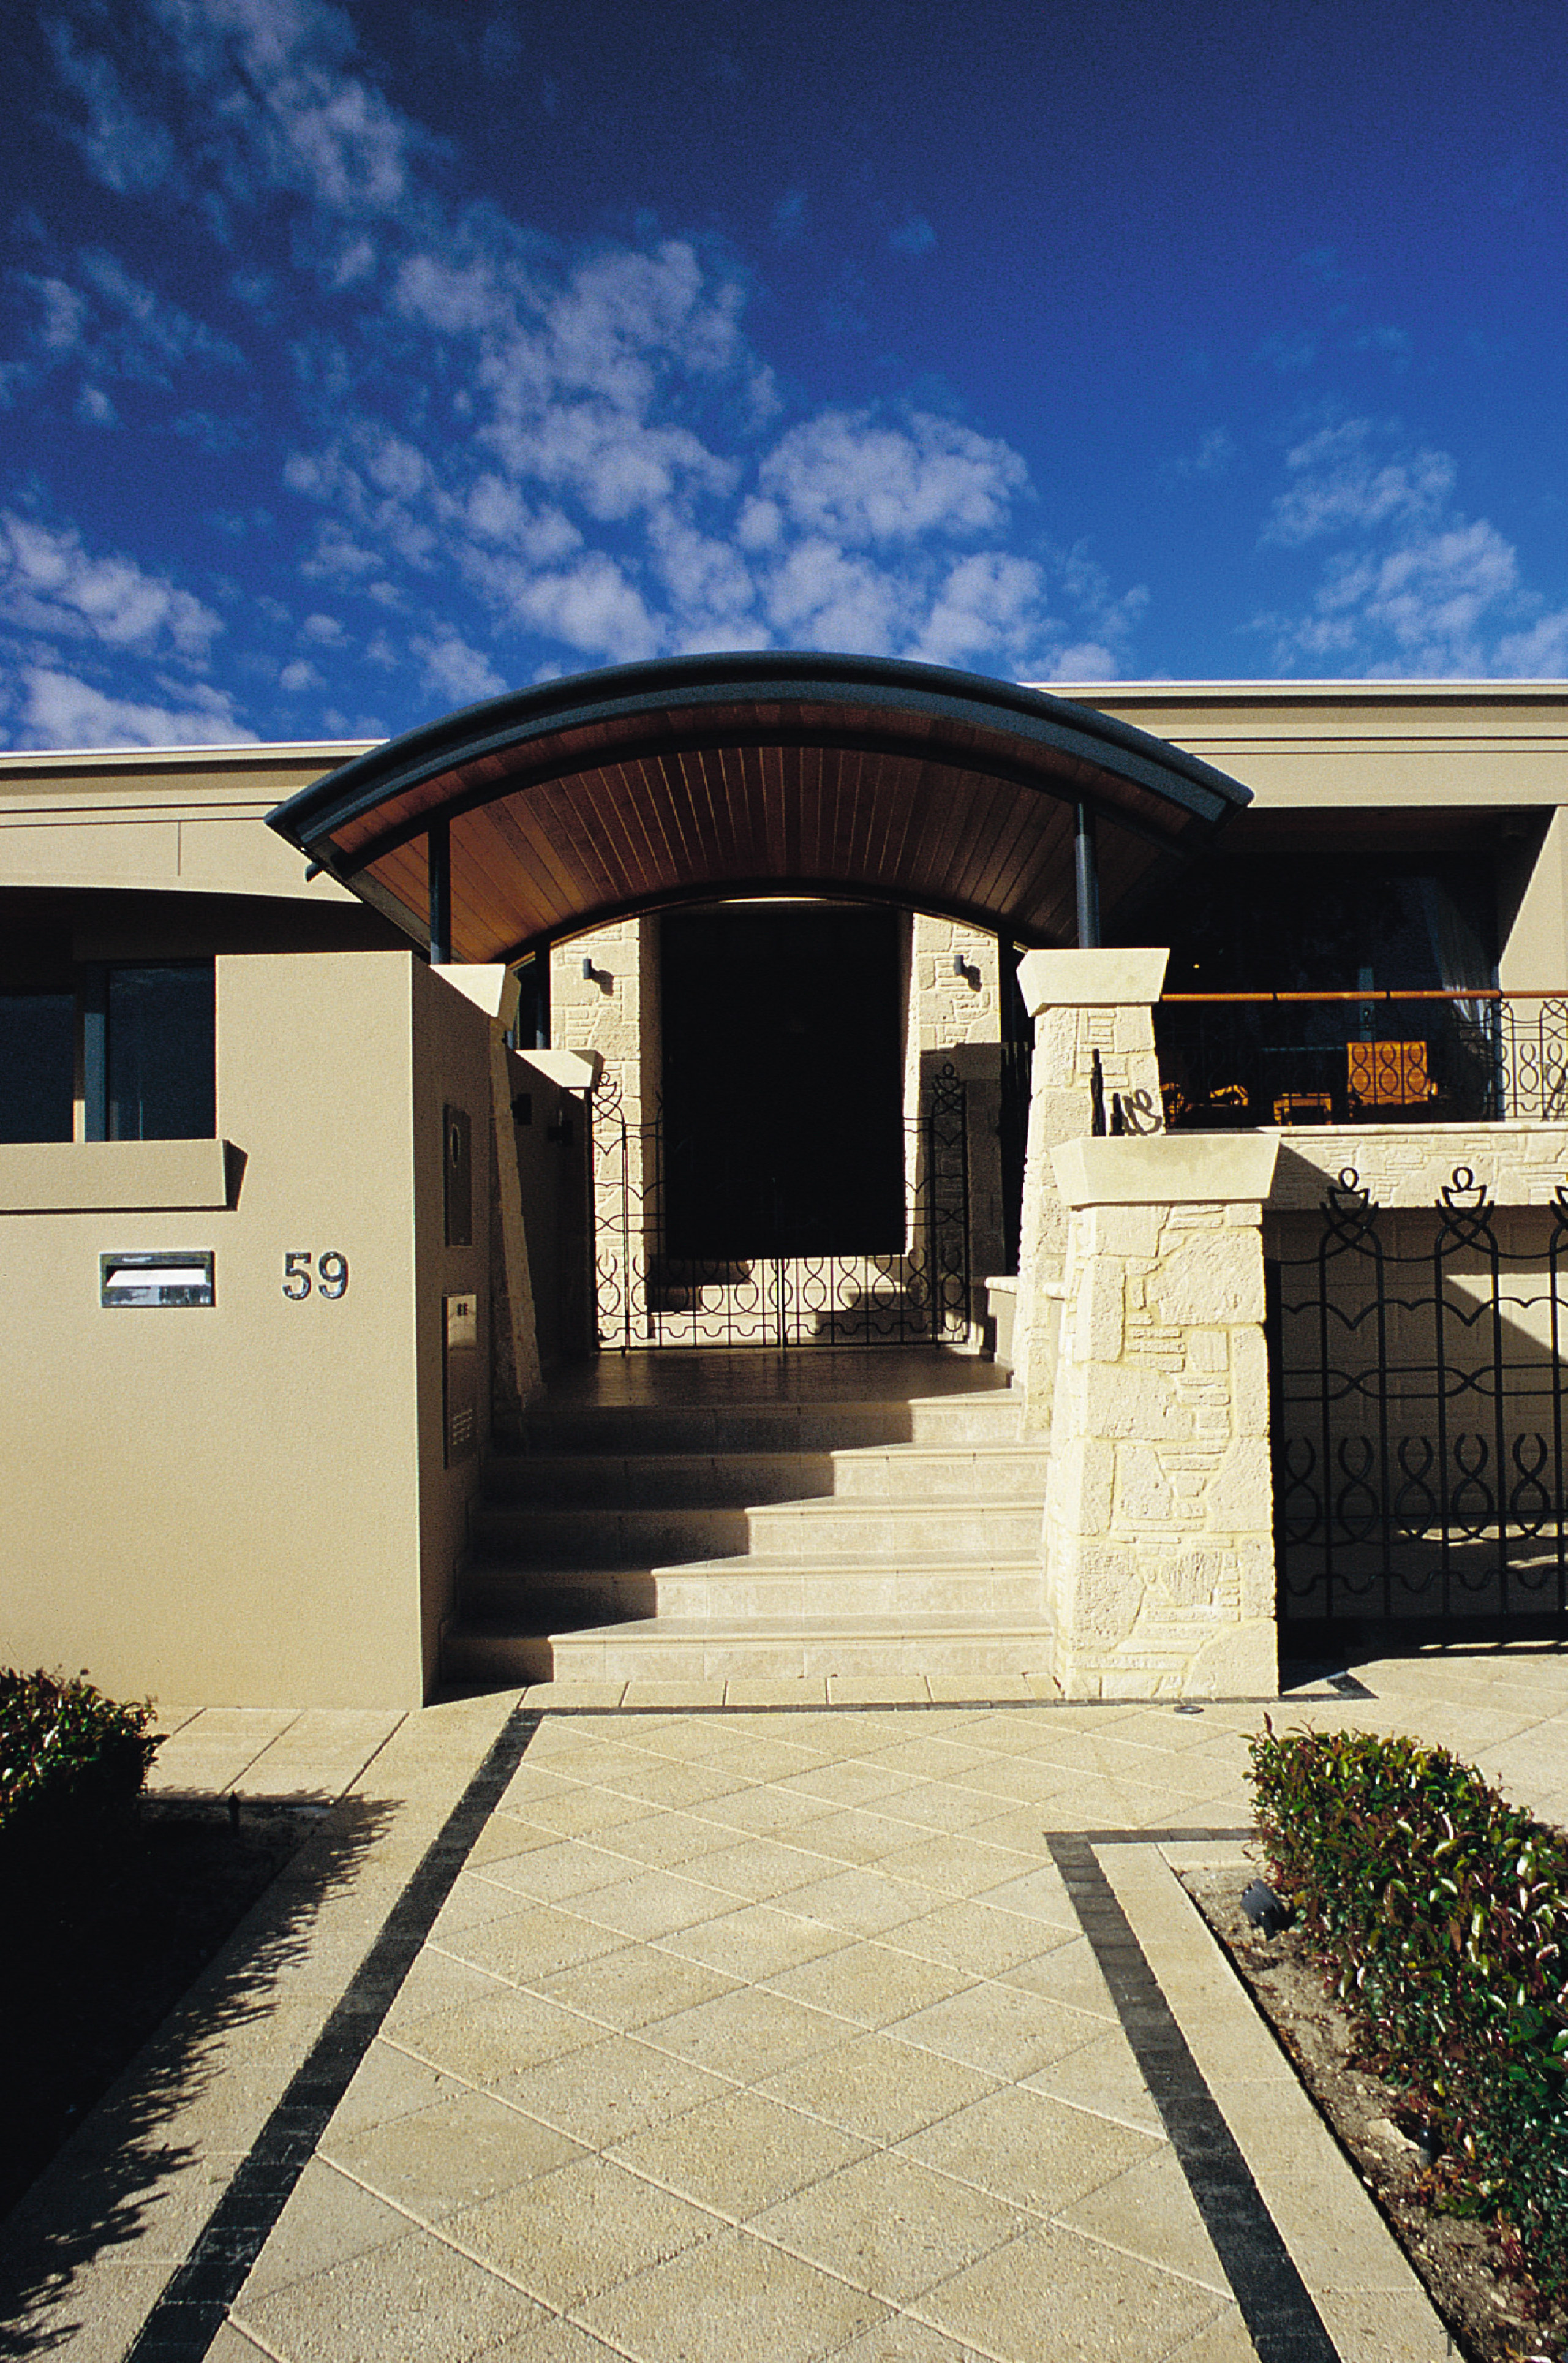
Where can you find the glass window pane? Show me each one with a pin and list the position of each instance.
(37, 1038)
(160, 1053)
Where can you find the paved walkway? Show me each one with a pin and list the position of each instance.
(752, 2033)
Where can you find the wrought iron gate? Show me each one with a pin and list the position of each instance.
(918, 1294)
(1417, 1416)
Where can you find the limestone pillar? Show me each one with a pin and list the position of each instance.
(1082, 1004)
(1158, 1543)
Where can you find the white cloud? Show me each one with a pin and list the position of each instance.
(49, 583)
(987, 601)
(459, 674)
(129, 151)
(290, 114)
(1413, 587)
(847, 475)
(592, 606)
(61, 710)
(1341, 484)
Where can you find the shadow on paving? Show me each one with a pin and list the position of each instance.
(91, 1971)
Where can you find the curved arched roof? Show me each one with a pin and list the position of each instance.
(703, 777)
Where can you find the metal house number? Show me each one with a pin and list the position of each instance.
(331, 1277)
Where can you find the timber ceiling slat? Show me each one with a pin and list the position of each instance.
(619, 832)
(687, 852)
(1002, 820)
(751, 824)
(1020, 823)
(519, 822)
(638, 799)
(569, 810)
(403, 873)
(941, 818)
(1046, 880)
(548, 815)
(490, 870)
(545, 884)
(709, 764)
(705, 801)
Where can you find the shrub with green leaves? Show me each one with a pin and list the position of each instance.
(1439, 1915)
(71, 1759)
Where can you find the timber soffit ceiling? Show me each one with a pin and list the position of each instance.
(688, 780)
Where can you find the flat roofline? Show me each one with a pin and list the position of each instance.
(328, 752)
(1387, 692)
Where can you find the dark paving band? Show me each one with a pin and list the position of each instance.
(1281, 2320)
(186, 2319)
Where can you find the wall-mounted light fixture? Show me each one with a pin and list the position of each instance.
(599, 976)
(965, 969)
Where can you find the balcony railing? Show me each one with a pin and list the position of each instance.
(1238, 1060)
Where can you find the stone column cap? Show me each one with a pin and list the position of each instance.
(1109, 978)
(570, 1070)
(489, 985)
(1167, 1169)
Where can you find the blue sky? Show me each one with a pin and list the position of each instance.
(362, 363)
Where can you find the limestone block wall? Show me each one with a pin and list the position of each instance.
(1082, 1003)
(1158, 1522)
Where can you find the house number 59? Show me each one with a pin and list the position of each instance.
(331, 1275)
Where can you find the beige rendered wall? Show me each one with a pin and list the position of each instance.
(232, 1504)
(188, 819)
(1344, 745)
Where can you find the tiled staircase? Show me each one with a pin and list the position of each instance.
(838, 1523)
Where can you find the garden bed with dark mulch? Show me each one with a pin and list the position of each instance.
(1485, 2306)
(102, 1942)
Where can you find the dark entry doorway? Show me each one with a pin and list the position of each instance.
(783, 1101)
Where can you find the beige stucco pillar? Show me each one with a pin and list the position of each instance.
(1080, 1003)
(1159, 1549)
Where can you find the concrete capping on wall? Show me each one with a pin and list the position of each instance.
(114, 1177)
(570, 1070)
(489, 985)
(1520, 1164)
(1214, 1169)
(1116, 977)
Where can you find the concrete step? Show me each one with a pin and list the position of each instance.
(939, 1472)
(746, 1480)
(657, 1480)
(528, 1536)
(540, 1600)
(886, 1530)
(789, 1649)
(989, 1415)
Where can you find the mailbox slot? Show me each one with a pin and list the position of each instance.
(178, 1278)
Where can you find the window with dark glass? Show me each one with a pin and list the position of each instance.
(37, 1057)
(158, 1052)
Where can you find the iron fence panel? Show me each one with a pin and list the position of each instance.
(1417, 1415)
